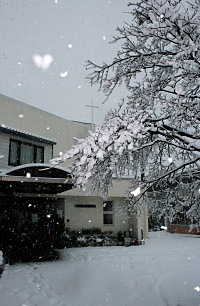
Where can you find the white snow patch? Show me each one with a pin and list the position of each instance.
(157, 273)
(136, 192)
(100, 155)
(170, 160)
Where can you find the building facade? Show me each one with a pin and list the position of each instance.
(29, 138)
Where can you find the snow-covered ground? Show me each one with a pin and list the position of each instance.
(164, 271)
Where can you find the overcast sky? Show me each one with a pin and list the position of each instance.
(71, 32)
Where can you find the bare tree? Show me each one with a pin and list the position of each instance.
(154, 136)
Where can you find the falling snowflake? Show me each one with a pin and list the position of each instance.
(79, 86)
(21, 116)
(28, 175)
(19, 84)
(70, 46)
(60, 153)
(19, 63)
(63, 74)
(104, 38)
(47, 128)
(197, 288)
(43, 62)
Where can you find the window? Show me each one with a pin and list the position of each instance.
(107, 219)
(39, 154)
(108, 212)
(85, 205)
(14, 150)
(25, 153)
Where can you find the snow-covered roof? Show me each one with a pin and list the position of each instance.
(41, 166)
(17, 132)
(36, 178)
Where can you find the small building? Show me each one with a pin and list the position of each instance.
(33, 190)
(183, 223)
(183, 217)
(86, 211)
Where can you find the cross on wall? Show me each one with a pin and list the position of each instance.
(92, 107)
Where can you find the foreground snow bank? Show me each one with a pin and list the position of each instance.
(164, 271)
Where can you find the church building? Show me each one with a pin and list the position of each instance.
(32, 193)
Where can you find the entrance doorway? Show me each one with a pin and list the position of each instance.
(30, 227)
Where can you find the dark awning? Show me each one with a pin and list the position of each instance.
(36, 178)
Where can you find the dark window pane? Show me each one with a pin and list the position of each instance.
(14, 153)
(107, 206)
(107, 219)
(26, 154)
(39, 155)
(85, 205)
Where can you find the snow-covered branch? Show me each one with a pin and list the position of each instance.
(156, 135)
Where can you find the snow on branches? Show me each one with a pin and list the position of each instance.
(106, 152)
(159, 63)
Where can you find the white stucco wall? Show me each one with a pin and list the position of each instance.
(79, 218)
(143, 223)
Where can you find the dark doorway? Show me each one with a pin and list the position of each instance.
(31, 227)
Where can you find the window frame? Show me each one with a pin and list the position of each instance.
(19, 146)
(18, 152)
(85, 205)
(109, 211)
